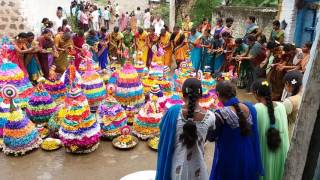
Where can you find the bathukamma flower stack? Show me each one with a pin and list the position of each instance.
(129, 90)
(55, 87)
(146, 124)
(4, 114)
(93, 88)
(19, 134)
(112, 117)
(10, 73)
(79, 131)
(40, 106)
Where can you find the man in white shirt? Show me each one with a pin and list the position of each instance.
(158, 24)
(106, 17)
(57, 21)
(95, 19)
(139, 16)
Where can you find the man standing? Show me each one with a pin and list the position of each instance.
(158, 25)
(57, 22)
(95, 18)
(106, 17)
(139, 16)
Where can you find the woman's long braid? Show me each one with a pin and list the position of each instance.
(263, 90)
(245, 127)
(189, 135)
(273, 134)
(192, 91)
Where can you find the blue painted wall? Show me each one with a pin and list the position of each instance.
(305, 24)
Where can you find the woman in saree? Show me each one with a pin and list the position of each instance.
(103, 48)
(195, 45)
(115, 43)
(164, 42)
(46, 57)
(187, 25)
(251, 28)
(180, 47)
(141, 44)
(128, 40)
(31, 58)
(183, 131)
(218, 28)
(64, 44)
(152, 40)
(205, 25)
(293, 85)
(273, 131)
(228, 47)
(276, 73)
(277, 34)
(206, 55)
(237, 151)
(241, 49)
(78, 41)
(218, 55)
(20, 48)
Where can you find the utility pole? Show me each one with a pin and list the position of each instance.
(172, 19)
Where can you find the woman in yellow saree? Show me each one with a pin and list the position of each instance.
(165, 43)
(179, 44)
(141, 44)
(63, 43)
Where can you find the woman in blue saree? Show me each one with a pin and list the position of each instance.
(218, 55)
(206, 44)
(237, 150)
(183, 131)
(196, 50)
(103, 49)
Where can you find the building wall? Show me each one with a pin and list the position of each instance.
(264, 17)
(288, 13)
(26, 15)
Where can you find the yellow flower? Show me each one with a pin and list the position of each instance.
(265, 83)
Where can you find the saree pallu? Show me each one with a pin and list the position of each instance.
(115, 39)
(218, 60)
(142, 47)
(164, 41)
(45, 59)
(103, 58)
(244, 71)
(78, 43)
(196, 57)
(33, 67)
(17, 58)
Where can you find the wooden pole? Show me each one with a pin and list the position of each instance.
(172, 20)
(307, 116)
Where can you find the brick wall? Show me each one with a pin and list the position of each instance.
(264, 17)
(11, 20)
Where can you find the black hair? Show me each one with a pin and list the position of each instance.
(288, 47)
(22, 35)
(59, 8)
(140, 30)
(46, 31)
(116, 29)
(271, 45)
(294, 78)
(205, 19)
(252, 19)
(220, 20)
(239, 41)
(30, 34)
(103, 29)
(138, 8)
(50, 24)
(187, 15)
(44, 20)
(193, 30)
(252, 38)
(92, 32)
(227, 90)
(262, 89)
(276, 23)
(192, 90)
(226, 35)
(64, 22)
(229, 20)
(152, 29)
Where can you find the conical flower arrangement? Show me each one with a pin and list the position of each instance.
(41, 106)
(79, 131)
(10, 73)
(55, 87)
(147, 122)
(19, 134)
(129, 90)
(93, 88)
(112, 117)
(4, 114)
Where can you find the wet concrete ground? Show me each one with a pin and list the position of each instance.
(105, 163)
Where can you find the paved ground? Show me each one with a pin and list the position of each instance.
(105, 163)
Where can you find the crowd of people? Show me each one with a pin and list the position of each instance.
(252, 141)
